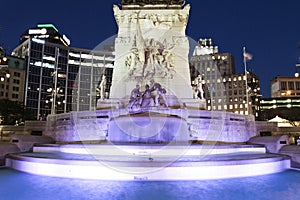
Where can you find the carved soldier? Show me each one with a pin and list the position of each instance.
(160, 93)
(199, 87)
(147, 98)
(102, 87)
(135, 98)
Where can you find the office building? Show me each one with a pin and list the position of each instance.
(224, 88)
(60, 78)
(285, 86)
(284, 107)
(46, 32)
(12, 77)
(284, 101)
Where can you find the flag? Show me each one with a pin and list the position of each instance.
(247, 56)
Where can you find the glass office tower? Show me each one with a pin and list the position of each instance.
(60, 78)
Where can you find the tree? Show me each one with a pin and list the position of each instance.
(13, 112)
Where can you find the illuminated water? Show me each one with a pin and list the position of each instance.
(17, 185)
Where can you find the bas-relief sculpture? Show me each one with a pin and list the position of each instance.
(152, 2)
(152, 47)
(150, 58)
(161, 20)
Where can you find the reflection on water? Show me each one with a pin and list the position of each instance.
(19, 185)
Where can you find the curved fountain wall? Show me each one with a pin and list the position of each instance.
(198, 125)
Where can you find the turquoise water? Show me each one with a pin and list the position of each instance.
(18, 185)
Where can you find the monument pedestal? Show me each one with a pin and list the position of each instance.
(106, 104)
(194, 104)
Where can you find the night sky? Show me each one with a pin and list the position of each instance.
(269, 29)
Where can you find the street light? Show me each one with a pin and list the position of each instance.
(297, 73)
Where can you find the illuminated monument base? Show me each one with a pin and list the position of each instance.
(146, 154)
(148, 162)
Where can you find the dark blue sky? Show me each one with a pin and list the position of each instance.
(269, 29)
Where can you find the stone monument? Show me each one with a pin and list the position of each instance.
(152, 47)
(148, 131)
(152, 98)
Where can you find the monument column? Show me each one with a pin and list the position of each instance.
(152, 47)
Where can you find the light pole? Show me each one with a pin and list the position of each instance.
(297, 72)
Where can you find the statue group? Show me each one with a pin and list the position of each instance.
(150, 60)
(146, 98)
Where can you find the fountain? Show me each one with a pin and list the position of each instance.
(146, 128)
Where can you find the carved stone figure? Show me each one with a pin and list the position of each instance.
(147, 98)
(101, 88)
(132, 61)
(135, 98)
(160, 93)
(168, 63)
(151, 57)
(198, 82)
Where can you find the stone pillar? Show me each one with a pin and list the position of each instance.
(152, 47)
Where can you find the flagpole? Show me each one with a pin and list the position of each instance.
(54, 91)
(246, 81)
